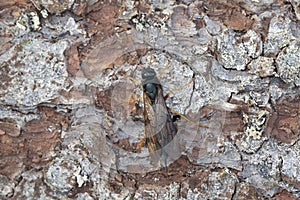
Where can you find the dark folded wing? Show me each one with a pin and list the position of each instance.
(159, 128)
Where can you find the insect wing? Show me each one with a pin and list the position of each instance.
(166, 130)
(149, 113)
(159, 128)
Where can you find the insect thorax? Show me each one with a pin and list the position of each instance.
(151, 91)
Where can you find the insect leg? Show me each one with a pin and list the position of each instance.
(137, 82)
(141, 143)
(164, 69)
(177, 89)
(140, 65)
(151, 57)
(187, 119)
(122, 101)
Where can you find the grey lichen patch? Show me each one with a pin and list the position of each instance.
(213, 27)
(201, 94)
(218, 180)
(252, 139)
(6, 187)
(20, 116)
(88, 162)
(44, 13)
(35, 76)
(288, 64)
(246, 191)
(211, 183)
(81, 179)
(56, 6)
(262, 66)
(220, 183)
(57, 176)
(235, 51)
(255, 124)
(84, 195)
(280, 35)
(72, 167)
(88, 120)
(259, 98)
(171, 191)
(74, 28)
(273, 167)
(57, 26)
(296, 6)
(290, 162)
(31, 186)
(252, 132)
(143, 21)
(219, 152)
(30, 21)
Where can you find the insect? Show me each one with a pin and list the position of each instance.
(159, 127)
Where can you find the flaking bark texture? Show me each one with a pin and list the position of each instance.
(71, 106)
